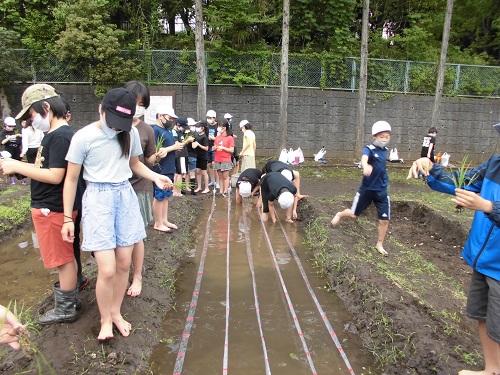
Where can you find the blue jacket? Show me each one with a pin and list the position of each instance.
(482, 248)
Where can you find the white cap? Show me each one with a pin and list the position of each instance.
(287, 174)
(381, 126)
(243, 123)
(228, 116)
(286, 199)
(211, 113)
(191, 122)
(164, 109)
(245, 189)
(10, 121)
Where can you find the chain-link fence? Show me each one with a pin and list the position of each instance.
(263, 69)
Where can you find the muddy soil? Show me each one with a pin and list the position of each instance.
(408, 308)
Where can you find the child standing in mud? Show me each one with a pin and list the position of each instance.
(479, 192)
(109, 152)
(374, 184)
(47, 112)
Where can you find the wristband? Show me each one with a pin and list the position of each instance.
(69, 217)
(69, 221)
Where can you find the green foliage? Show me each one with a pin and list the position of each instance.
(11, 65)
(93, 46)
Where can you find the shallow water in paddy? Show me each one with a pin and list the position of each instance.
(206, 348)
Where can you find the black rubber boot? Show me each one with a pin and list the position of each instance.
(65, 307)
(192, 183)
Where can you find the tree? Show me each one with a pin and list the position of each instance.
(284, 77)
(93, 46)
(200, 61)
(442, 64)
(11, 67)
(363, 78)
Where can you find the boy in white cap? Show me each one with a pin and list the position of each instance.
(12, 143)
(211, 134)
(374, 184)
(248, 184)
(275, 186)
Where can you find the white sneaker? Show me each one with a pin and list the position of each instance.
(211, 183)
(229, 188)
(217, 185)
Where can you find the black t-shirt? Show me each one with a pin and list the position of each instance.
(426, 143)
(251, 175)
(276, 166)
(270, 187)
(53, 149)
(13, 145)
(181, 136)
(202, 139)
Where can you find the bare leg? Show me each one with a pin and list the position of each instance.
(158, 215)
(138, 261)
(224, 181)
(165, 216)
(176, 191)
(123, 258)
(341, 214)
(296, 183)
(106, 266)
(67, 275)
(289, 212)
(198, 180)
(491, 354)
(205, 178)
(382, 230)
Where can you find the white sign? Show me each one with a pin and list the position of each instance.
(156, 101)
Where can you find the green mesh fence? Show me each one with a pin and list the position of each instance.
(263, 69)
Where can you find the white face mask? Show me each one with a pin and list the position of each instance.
(379, 143)
(139, 111)
(41, 123)
(110, 133)
(192, 129)
(220, 130)
(199, 129)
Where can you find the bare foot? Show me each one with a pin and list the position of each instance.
(162, 229)
(197, 190)
(122, 325)
(302, 196)
(381, 250)
(335, 219)
(106, 332)
(135, 288)
(288, 220)
(468, 372)
(171, 225)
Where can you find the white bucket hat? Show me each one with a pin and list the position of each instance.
(286, 199)
(245, 189)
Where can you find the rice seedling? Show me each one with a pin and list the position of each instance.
(460, 179)
(28, 347)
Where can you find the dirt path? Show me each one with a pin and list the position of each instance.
(407, 308)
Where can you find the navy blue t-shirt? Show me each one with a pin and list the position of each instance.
(377, 158)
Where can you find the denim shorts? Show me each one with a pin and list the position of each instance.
(483, 303)
(111, 216)
(160, 194)
(210, 156)
(191, 163)
(364, 198)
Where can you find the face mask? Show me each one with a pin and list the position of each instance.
(41, 123)
(139, 111)
(167, 124)
(211, 121)
(379, 143)
(220, 130)
(199, 129)
(108, 131)
(192, 129)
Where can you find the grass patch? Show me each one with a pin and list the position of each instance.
(16, 211)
